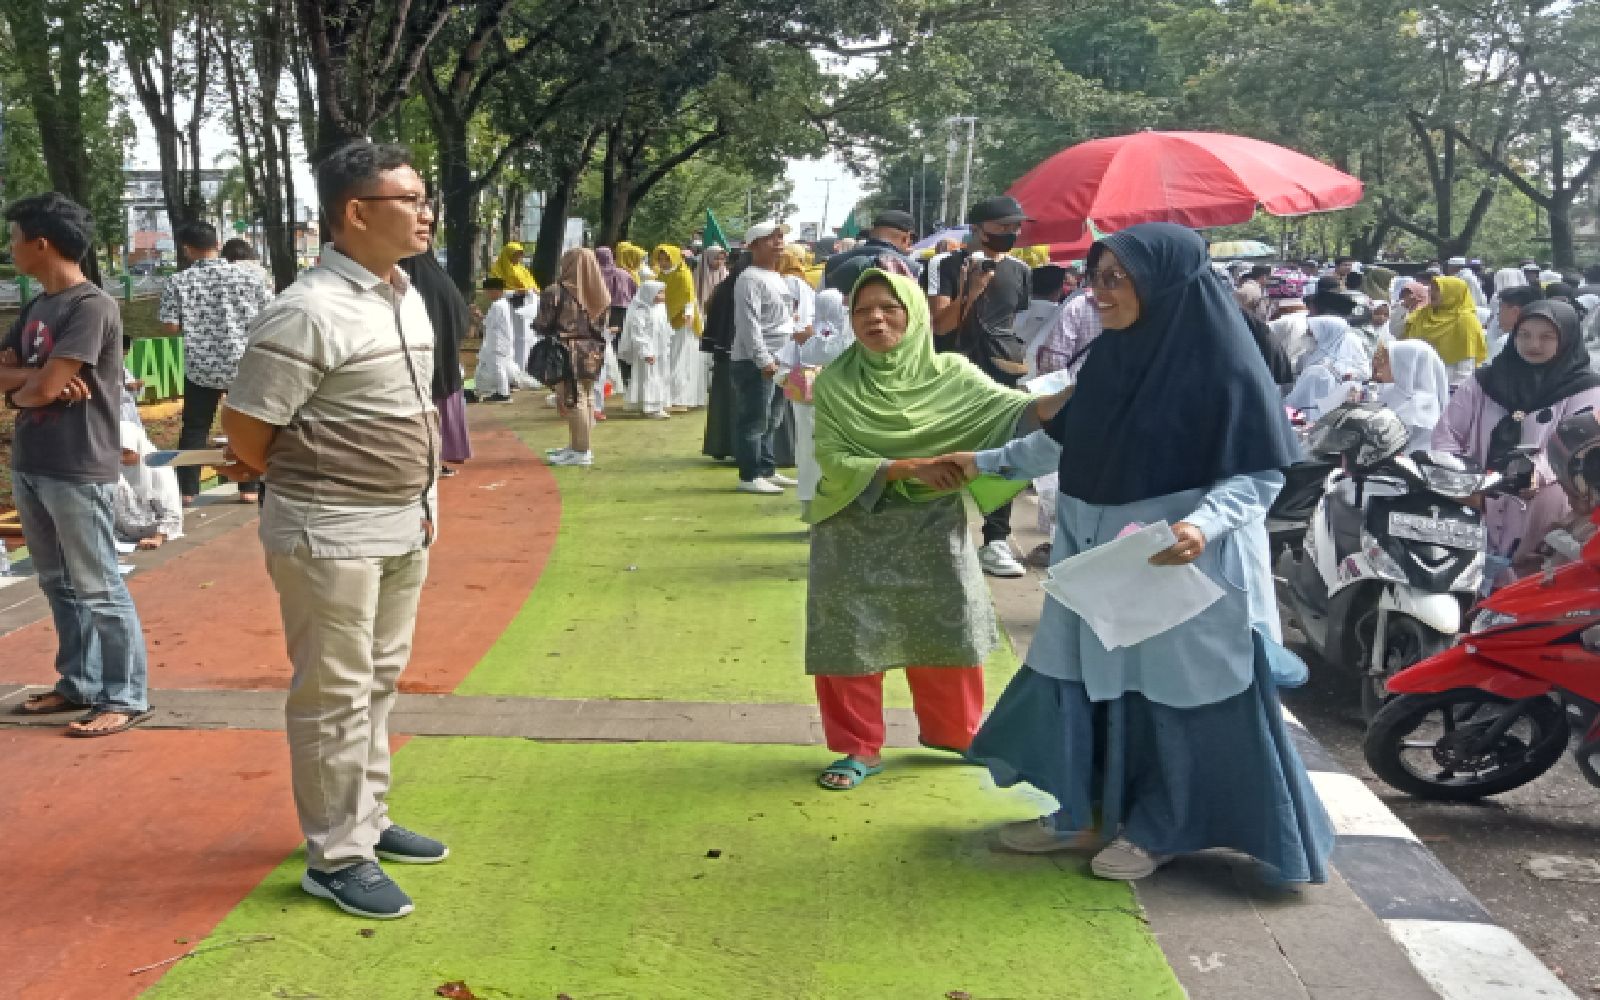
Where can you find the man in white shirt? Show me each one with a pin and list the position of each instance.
(763, 321)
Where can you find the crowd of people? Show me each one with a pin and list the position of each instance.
(1147, 385)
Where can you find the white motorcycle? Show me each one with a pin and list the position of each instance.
(1393, 557)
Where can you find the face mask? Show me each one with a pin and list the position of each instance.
(999, 242)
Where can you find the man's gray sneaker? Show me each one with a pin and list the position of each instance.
(362, 890)
(408, 848)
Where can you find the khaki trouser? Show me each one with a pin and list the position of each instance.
(348, 625)
(580, 417)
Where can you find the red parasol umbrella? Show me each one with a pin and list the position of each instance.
(1195, 178)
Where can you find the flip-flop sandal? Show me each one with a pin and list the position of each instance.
(848, 767)
(60, 708)
(127, 723)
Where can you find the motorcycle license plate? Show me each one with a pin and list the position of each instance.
(1437, 531)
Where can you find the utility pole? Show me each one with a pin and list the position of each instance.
(950, 147)
(827, 193)
(966, 173)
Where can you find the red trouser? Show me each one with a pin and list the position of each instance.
(948, 702)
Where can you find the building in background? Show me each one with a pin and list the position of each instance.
(150, 243)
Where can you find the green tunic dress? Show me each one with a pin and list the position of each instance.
(897, 585)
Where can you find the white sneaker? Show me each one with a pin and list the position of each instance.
(1124, 861)
(759, 485)
(658, 415)
(552, 452)
(997, 559)
(570, 457)
(782, 480)
(1040, 836)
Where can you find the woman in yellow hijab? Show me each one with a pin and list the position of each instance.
(508, 268)
(1034, 256)
(1449, 322)
(687, 375)
(630, 257)
(792, 266)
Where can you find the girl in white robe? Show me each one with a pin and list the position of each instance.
(646, 341)
(1336, 359)
(1415, 384)
(492, 380)
(147, 508)
(830, 337)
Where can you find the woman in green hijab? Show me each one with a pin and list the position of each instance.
(894, 578)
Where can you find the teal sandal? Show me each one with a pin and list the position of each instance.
(848, 767)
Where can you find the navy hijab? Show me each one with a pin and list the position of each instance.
(1180, 400)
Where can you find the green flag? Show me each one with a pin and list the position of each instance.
(850, 230)
(713, 233)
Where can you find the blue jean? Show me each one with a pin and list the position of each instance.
(100, 653)
(758, 409)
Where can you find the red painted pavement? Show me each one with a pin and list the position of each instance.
(117, 848)
(211, 615)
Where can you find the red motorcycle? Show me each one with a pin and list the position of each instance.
(1498, 709)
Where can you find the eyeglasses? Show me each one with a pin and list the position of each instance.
(418, 203)
(1108, 279)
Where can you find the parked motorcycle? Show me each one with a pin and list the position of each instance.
(1496, 711)
(1393, 556)
(1290, 514)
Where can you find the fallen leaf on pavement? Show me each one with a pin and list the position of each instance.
(456, 990)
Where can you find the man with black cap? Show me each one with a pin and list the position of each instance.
(981, 291)
(886, 247)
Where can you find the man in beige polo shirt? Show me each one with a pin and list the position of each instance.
(332, 404)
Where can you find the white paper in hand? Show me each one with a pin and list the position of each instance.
(1050, 383)
(1123, 598)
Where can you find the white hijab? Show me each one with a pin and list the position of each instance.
(831, 333)
(645, 325)
(1338, 348)
(1420, 390)
(1509, 277)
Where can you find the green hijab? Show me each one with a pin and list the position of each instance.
(907, 402)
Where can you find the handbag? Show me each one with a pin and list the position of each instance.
(549, 361)
(797, 385)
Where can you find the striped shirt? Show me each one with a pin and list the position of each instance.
(341, 362)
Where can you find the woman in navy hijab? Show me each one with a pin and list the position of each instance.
(1175, 744)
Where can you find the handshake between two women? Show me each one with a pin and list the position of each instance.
(946, 472)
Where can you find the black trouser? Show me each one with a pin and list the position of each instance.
(997, 524)
(199, 411)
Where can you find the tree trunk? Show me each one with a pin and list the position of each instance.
(613, 187)
(55, 95)
(1563, 254)
(616, 211)
(460, 196)
(553, 225)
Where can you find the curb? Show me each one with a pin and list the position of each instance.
(1444, 931)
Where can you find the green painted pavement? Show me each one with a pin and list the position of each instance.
(586, 870)
(664, 582)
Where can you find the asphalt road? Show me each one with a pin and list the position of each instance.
(1489, 844)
